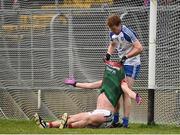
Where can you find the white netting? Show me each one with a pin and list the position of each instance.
(167, 103)
(41, 47)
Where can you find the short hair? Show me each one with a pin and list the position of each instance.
(113, 20)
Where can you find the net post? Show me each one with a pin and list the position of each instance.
(52, 43)
(39, 99)
(70, 43)
(152, 60)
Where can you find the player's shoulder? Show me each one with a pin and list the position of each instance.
(129, 34)
(112, 35)
(128, 31)
(124, 27)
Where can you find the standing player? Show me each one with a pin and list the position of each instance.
(129, 48)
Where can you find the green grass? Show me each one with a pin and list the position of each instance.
(24, 127)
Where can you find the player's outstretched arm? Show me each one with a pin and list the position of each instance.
(93, 85)
(73, 82)
(131, 93)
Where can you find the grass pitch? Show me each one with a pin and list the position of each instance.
(29, 127)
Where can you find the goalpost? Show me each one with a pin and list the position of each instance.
(152, 59)
(39, 99)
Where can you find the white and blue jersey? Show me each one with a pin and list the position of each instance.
(124, 41)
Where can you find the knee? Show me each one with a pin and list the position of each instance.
(92, 121)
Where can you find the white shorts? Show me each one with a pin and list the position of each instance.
(106, 113)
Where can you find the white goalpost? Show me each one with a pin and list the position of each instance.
(152, 60)
(39, 99)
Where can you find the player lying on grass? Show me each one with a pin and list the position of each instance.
(107, 100)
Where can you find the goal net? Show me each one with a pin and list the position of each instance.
(167, 95)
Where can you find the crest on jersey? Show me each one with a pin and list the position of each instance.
(116, 39)
(122, 38)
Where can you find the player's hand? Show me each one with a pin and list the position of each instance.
(138, 99)
(107, 57)
(124, 58)
(70, 81)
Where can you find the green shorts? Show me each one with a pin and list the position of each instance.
(111, 86)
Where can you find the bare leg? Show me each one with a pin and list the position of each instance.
(130, 82)
(53, 124)
(97, 119)
(127, 99)
(128, 94)
(78, 117)
(128, 91)
(126, 105)
(79, 120)
(89, 120)
(78, 124)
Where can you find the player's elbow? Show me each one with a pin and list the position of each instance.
(140, 49)
(138, 46)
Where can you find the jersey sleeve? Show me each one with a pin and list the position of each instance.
(129, 35)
